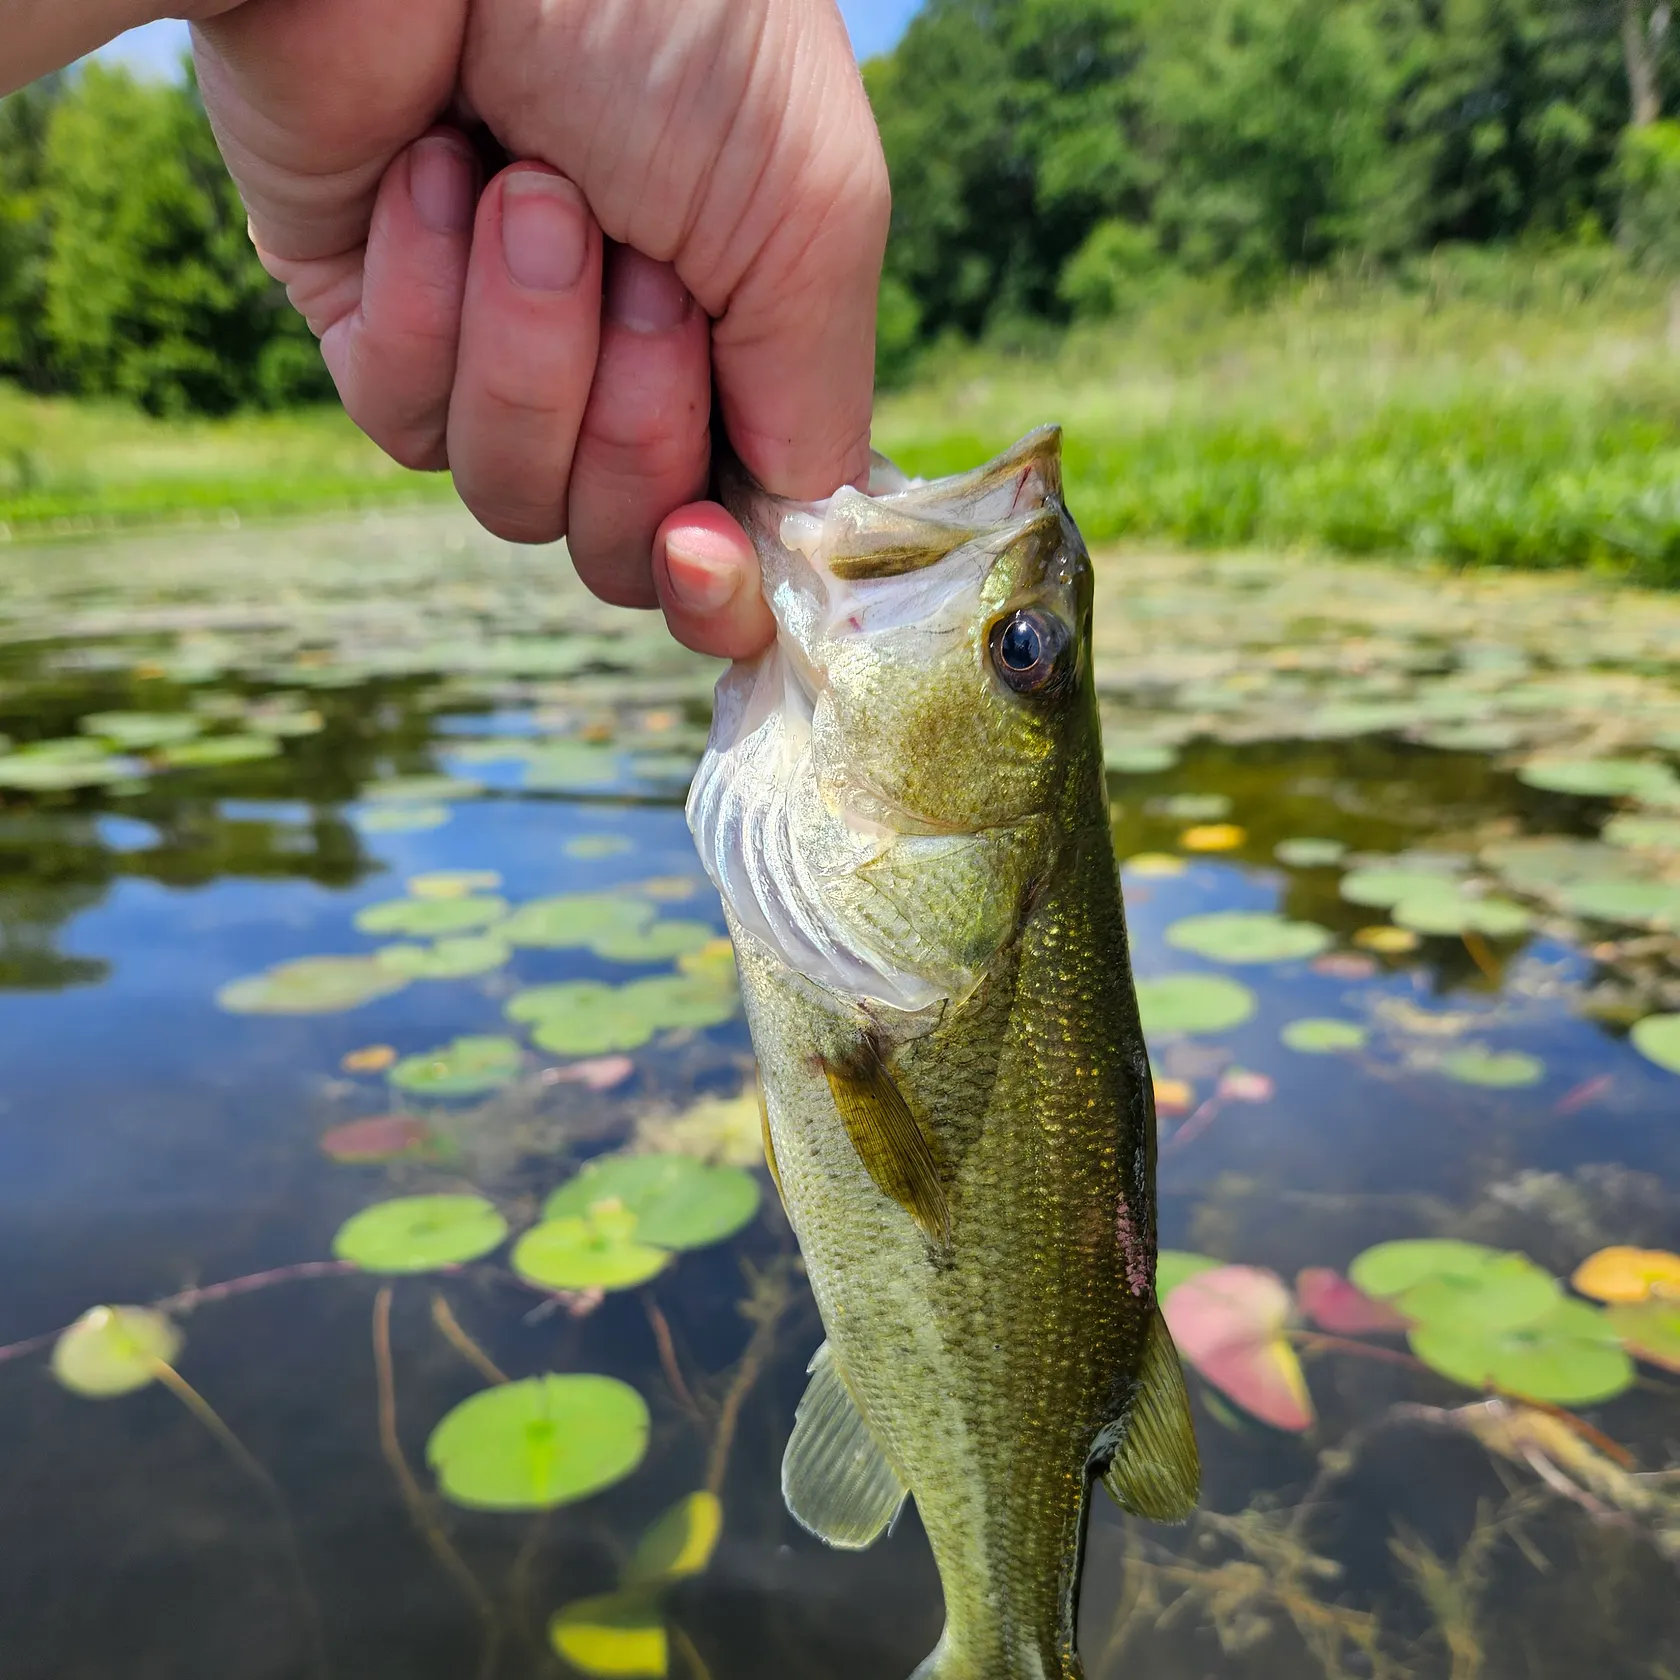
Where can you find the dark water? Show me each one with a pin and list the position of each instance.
(152, 1143)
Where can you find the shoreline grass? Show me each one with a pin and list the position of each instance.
(1514, 417)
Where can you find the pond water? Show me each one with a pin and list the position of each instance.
(1439, 814)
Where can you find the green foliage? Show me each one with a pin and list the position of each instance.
(152, 289)
(1050, 157)
(1648, 174)
(125, 269)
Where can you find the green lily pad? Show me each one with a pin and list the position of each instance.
(422, 790)
(288, 722)
(1322, 1036)
(1192, 1003)
(212, 750)
(613, 1636)
(565, 766)
(1242, 936)
(591, 846)
(140, 731)
(32, 771)
(574, 921)
(420, 1233)
(1499, 1069)
(678, 1544)
(1649, 1330)
(664, 766)
(453, 883)
(678, 1202)
(1597, 778)
(114, 1350)
(1386, 887)
(659, 941)
(429, 916)
(447, 959)
(1638, 903)
(581, 1018)
(1437, 912)
(465, 1067)
(1174, 1265)
(1138, 758)
(1464, 1286)
(684, 1000)
(539, 1443)
(311, 986)
(402, 819)
(1309, 852)
(596, 1251)
(1194, 807)
(1639, 833)
(1657, 1038)
(1571, 1355)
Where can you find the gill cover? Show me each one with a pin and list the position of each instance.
(811, 809)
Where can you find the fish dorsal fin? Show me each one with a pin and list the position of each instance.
(888, 1138)
(1156, 1473)
(835, 1478)
(866, 538)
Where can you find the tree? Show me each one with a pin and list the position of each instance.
(152, 290)
(25, 352)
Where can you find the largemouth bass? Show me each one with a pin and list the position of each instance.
(902, 804)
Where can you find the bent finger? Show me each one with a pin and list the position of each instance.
(392, 354)
(644, 447)
(706, 573)
(530, 326)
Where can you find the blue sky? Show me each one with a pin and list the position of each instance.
(156, 49)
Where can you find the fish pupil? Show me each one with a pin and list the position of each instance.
(1022, 646)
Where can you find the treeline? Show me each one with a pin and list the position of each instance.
(125, 270)
(1055, 158)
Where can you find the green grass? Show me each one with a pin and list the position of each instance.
(69, 467)
(1491, 410)
(1523, 425)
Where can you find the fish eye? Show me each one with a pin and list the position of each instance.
(1027, 649)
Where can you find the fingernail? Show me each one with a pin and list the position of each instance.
(698, 582)
(440, 181)
(644, 295)
(544, 235)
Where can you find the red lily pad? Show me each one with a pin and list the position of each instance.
(380, 1137)
(1340, 1307)
(1229, 1325)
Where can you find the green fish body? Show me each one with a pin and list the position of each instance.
(903, 807)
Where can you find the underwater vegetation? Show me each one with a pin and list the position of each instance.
(493, 1328)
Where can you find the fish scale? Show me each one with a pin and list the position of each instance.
(971, 1182)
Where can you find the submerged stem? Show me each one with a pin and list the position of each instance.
(419, 1508)
(770, 1299)
(450, 1327)
(668, 1353)
(248, 1462)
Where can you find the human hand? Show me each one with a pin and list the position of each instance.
(704, 200)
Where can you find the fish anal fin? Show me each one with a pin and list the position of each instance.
(1156, 1472)
(888, 1138)
(835, 1478)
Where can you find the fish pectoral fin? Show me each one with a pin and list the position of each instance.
(888, 1138)
(770, 1148)
(835, 1477)
(1156, 1472)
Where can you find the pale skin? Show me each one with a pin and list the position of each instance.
(699, 204)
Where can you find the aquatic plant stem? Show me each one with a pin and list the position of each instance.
(668, 1363)
(450, 1327)
(419, 1508)
(185, 1300)
(1315, 1341)
(1480, 955)
(695, 1662)
(206, 1414)
(770, 1299)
